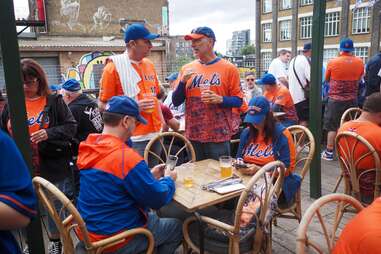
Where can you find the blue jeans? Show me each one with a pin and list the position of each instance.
(210, 150)
(66, 186)
(156, 148)
(167, 233)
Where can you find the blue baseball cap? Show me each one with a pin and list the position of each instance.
(267, 79)
(55, 87)
(171, 77)
(138, 31)
(346, 45)
(307, 46)
(200, 32)
(71, 85)
(125, 106)
(259, 107)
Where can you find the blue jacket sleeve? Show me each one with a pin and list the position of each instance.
(242, 142)
(231, 102)
(146, 190)
(16, 188)
(282, 150)
(178, 96)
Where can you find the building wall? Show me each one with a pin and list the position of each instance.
(360, 40)
(98, 17)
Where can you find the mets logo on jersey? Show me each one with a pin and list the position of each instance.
(258, 153)
(214, 80)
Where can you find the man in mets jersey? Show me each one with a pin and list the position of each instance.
(210, 86)
(367, 126)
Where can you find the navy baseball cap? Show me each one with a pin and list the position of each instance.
(267, 79)
(125, 106)
(138, 31)
(259, 107)
(346, 45)
(71, 85)
(307, 46)
(171, 77)
(200, 32)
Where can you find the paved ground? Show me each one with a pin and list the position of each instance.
(284, 234)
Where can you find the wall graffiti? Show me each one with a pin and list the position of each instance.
(89, 69)
(70, 10)
(101, 19)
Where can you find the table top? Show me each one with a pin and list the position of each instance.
(194, 198)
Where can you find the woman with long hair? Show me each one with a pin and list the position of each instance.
(266, 140)
(51, 128)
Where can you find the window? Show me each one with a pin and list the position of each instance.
(267, 6)
(266, 28)
(266, 61)
(306, 27)
(285, 4)
(332, 21)
(328, 54)
(360, 20)
(306, 2)
(285, 30)
(362, 52)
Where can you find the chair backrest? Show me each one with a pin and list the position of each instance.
(270, 177)
(66, 219)
(318, 213)
(350, 114)
(174, 138)
(353, 151)
(305, 147)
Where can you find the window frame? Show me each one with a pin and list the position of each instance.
(359, 21)
(266, 3)
(303, 27)
(282, 5)
(362, 52)
(268, 30)
(305, 2)
(285, 35)
(331, 24)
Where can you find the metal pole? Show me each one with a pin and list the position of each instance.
(16, 102)
(315, 96)
(258, 38)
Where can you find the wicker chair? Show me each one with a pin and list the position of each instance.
(350, 114)
(347, 145)
(303, 140)
(230, 241)
(329, 228)
(48, 194)
(173, 136)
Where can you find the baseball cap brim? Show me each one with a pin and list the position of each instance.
(141, 119)
(259, 82)
(254, 119)
(347, 49)
(151, 36)
(189, 37)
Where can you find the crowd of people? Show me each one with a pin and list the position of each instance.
(92, 150)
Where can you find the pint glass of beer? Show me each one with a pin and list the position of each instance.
(226, 166)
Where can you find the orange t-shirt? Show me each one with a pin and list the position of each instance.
(363, 233)
(110, 86)
(34, 110)
(282, 97)
(371, 132)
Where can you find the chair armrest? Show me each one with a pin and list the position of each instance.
(217, 224)
(113, 240)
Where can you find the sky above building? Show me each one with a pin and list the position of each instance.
(223, 16)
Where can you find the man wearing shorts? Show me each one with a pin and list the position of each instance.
(343, 74)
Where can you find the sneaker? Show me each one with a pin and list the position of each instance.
(26, 250)
(327, 155)
(55, 247)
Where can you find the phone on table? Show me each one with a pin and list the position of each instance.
(239, 164)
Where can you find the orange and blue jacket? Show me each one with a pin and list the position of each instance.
(117, 187)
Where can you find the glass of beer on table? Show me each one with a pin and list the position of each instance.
(226, 168)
